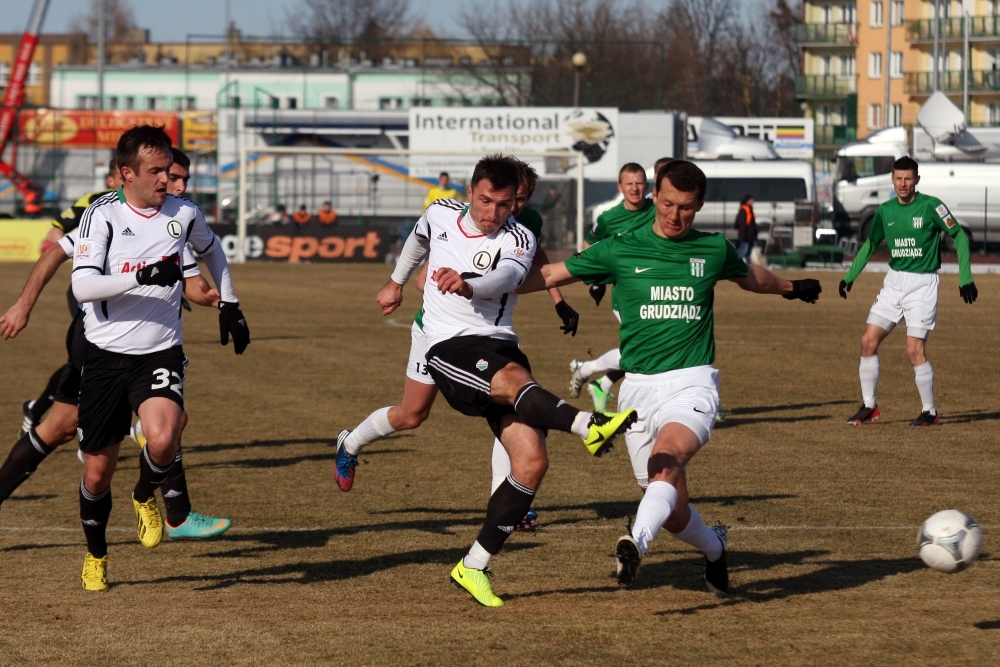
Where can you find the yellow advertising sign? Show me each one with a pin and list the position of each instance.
(21, 240)
(198, 131)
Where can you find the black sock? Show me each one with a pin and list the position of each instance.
(507, 506)
(150, 476)
(615, 376)
(95, 508)
(44, 402)
(175, 493)
(22, 460)
(543, 409)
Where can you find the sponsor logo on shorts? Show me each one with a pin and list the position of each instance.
(482, 365)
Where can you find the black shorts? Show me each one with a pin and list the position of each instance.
(463, 368)
(68, 390)
(113, 386)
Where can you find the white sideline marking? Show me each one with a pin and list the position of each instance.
(457, 529)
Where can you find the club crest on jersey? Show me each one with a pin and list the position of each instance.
(918, 223)
(482, 365)
(697, 267)
(174, 229)
(482, 259)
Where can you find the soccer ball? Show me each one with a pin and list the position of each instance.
(949, 541)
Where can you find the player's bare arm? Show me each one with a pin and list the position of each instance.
(16, 317)
(197, 290)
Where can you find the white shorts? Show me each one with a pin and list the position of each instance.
(909, 296)
(689, 396)
(416, 367)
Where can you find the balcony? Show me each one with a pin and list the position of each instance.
(980, 81)
(824, 86)
(834, 135)
(826, 34)
(981, 28)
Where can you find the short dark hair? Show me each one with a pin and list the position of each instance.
(906, 163)
(529, 177)
(180, 158)
(443, 173)
(141, 137)
(685, 176)
(630, 168)
(746, 198)
(500, 170)
(662, 161)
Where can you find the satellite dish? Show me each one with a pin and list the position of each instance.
(717, 140)
(942, 120)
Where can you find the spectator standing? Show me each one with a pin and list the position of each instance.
(326, 214)
(279, 216)
(746, 228)
(302, 216)
(442, 191)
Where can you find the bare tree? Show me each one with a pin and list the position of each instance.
(347, 21)
(119, 19)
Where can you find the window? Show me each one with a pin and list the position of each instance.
(420, 102)
(34, 75)
(156, 103)
(330, 103)
(895, 115)
(875, 65)
(847, 65)
(875, 14)
(848, 14)
(234, 101)
(823, 115)
(852, 168)
(955, 61)
(841, 118)
(993, 113)
(897, 12)
(112, 103)
(4, 74)
(129, 103)
(896, 64)
(182, 103)
(86, 101)
(824, 65)
(763, 189)
(994, 7)
(390, 103)
(827, 11)
(874, 116)
(292, 103)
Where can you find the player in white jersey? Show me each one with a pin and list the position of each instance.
(125, 271)
(477, 256)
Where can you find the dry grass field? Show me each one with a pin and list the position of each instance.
(823, 517)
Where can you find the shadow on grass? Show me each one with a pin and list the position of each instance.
(827, 576)
(310, 572)
(743, 421)
(757, 409)
(43, 496)
(972, 416)
(987, 625)
(281, 462)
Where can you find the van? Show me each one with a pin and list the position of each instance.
(776, 185)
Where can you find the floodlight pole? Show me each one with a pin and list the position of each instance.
(241, 209)
(579, 202)
(937, 55)
(102, 30)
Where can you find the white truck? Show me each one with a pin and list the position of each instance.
(959, 167)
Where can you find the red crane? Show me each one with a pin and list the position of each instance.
(13, 99)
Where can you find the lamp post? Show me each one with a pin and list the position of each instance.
(579, 61)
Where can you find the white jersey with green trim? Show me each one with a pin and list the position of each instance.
(116, 238)
(455, 243)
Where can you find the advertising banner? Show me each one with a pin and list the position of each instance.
(483, 130)
(21, 240)
(312, 242)
(198, 131)
(80, 128)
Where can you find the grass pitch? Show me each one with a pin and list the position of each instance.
(823, 516)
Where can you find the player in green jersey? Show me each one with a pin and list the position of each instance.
(665, 275)
(911, 225)
(636, 210)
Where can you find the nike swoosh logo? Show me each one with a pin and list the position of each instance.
(599, 440)
(700, 411)
(890, 224)
(638, 270)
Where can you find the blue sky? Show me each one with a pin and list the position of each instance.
(172, 20)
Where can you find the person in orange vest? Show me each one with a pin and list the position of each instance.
(302, 216)
(32, 202)
(327, 215)
(746, 228)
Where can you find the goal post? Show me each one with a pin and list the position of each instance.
(351, 176)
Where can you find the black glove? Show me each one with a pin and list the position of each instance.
(570, 318)
(231, 321)
(185, 305)
(164, 273)
(597, 292)
(844, 288)
(807, 290)
(969, 292)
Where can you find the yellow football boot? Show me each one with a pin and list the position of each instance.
(149, 525)
(477, 583)
(605, 427)
(95, 573)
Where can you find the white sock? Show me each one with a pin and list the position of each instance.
(700, 536)
(581, 424)
(925, 385)
(501, 465)
(869, 379)
(653, 512)
(478, 558)
(375, 427)
(607, 384)
(609, 361)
